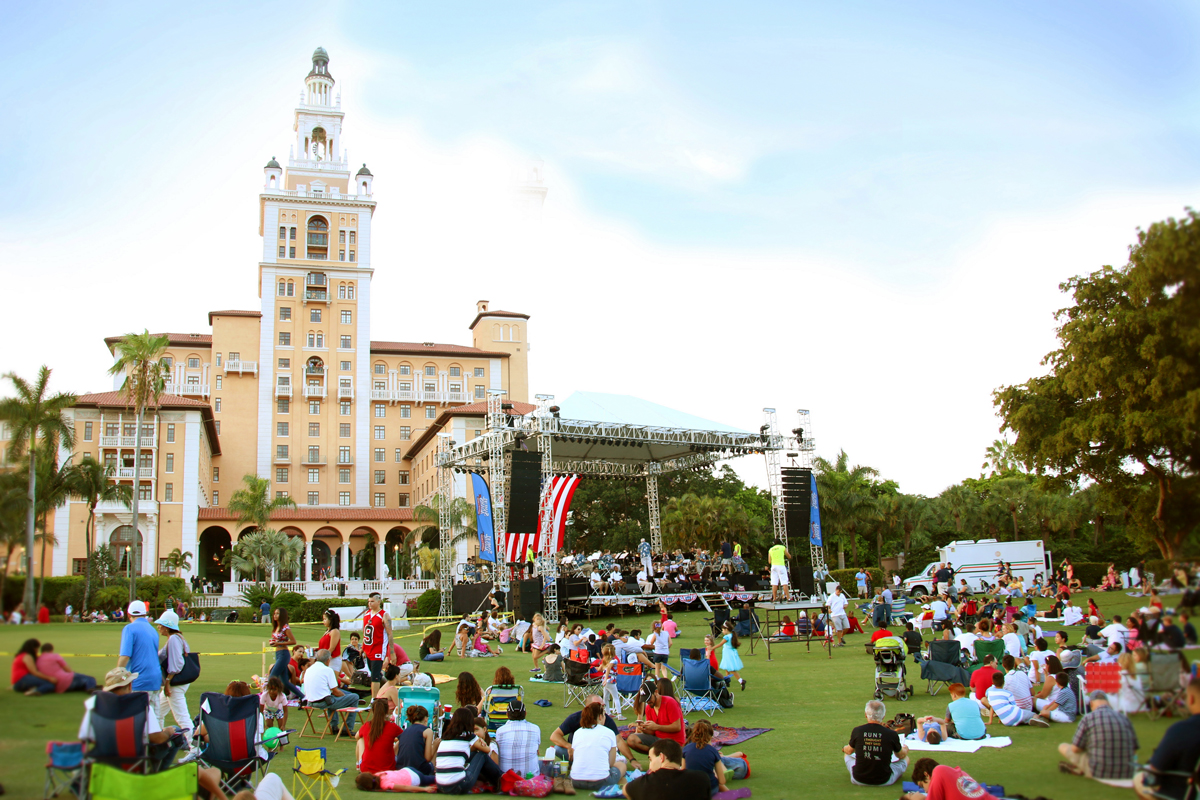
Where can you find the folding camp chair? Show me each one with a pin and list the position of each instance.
(719, 617)
(1153, 781)
(112, 783)
(995, 649)
(495, 704)
(579, 683)
(429, 698)
(234, 740)
(944, 666)
(697, 692)
(309, 773)
(118, 730)
(64, 769)
(900, 613)
(746, 624)
(1166, 693)
(629, 678)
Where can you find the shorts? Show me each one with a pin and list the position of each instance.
(943, 588)
(273, 713)
(779, 576)
(375, 668)
(335, 664)
(660, 658)
(840, 622)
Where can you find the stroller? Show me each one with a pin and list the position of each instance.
(890, 671)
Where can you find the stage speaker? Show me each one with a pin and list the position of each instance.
(524, 492)
(470, 596)
(525, 598)
(797, 514)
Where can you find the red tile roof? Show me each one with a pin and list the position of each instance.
(432, 349)
(176, 339)
(473, 410)
(482, 314)
(233, 313)
(117, 400)
(332, 515)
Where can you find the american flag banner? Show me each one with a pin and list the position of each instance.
(557, 502)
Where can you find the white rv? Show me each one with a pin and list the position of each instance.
(977, 562)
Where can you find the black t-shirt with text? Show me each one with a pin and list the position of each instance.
(873, 747)
(676, 784)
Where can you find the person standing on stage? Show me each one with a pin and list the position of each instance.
(726, 554)
(644, 555)
(529, 559)
(779, 575)
(377, 636)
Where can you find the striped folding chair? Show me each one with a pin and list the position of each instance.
(118, 731)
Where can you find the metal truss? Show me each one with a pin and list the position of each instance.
(498, 473)
(653, 434)
(806, 447)
(547, 562)
(446, 535)
(652, 507)
(775, 442)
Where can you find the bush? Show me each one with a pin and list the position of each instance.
(1091, 573)
(846, 578)
(429, 603)
(292, 601)
(314, 610)
(14, 590)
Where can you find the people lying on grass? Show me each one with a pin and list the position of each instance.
(1105, 745)
(462, 758)
(468, 693)
(964, 713)
(942, 782)
(1175, 757)
(52, 665)
(932, 730)
(868, 756)
(1001, 703)
(561, 737)
(402, 779)
(1060, 705)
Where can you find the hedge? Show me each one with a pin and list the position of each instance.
(14, 590)
(314, 610)
(429, 603)
(846, 578)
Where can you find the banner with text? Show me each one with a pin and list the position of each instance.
(483, 518)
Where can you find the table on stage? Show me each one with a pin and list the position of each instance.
(773, 616)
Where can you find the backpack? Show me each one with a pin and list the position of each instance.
(725, 697)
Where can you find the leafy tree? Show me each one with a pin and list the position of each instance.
(33, 416)
(91, 482)
(140, 360)
(462, 523)
(959, 501)
(1012, 494)
(12, 519)
(178, 561)
(692, 521)
(1119, 406)
(264, 552)
(846, 499)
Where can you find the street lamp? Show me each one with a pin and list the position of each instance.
(129, 572)
(396, 571)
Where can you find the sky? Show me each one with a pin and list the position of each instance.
(864, 210)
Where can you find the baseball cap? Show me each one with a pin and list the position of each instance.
(117, 677)
(137, 609)
(516, 707)
(169, 619)
(1097, 695)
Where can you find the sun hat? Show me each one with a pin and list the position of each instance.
(137, 609)
(169, 620)
(117, 677)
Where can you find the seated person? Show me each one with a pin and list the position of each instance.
(1000, 702)
(667, 776)
(868, 756)
(645, 584)
(1109, 656)
(599, 585)
(162, 743)
(1104, 747)
(912, 640)
(663, 716)
(1060, 706)
(616, 581)
(52, 665)
(696, 654)
(1175, 757)
(981, 678)
(702, 755)
(882, 633)
(963, 711)
(562, 736)
(941, 782)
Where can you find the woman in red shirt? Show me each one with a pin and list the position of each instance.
(25, 675)
(941, 782)
(376, 747)
(332, 640)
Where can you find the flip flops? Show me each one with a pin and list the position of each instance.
(544, 703)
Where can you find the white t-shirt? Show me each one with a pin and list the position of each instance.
(1115, 632)
(940, 609)
(1012, 645)
(662, 643)
(966, 641)
(595, 578)
(592, 747)
(641, 577)
(85, 727)
(319, 682)
(614, 576)
(837, 605)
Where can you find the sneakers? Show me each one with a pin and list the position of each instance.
(1070, 769)
(1039, 721)
(535, 669)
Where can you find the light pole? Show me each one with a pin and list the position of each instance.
(396, 559)
(129, 572)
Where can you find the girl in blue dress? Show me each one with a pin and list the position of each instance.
(731, 662)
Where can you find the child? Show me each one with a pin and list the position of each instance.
(612, 698)
(731, 662)
(274, 704)
(483, 737)
(931, 730)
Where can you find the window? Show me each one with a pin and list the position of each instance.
(343, 498)
(281, 493)
(341, 237)
(193, 363)
(346, 343)
(314, 407)
(480, 392)
(313, 498)
(216, 474)
(350, 286)
(217, 426)
(346, 366)
(430, 370)
(285, 363)
(380, 433)
(291, 254)
(405, 433)
(291, 286)
(169, 492)
(170, 467)
(285, 339)
(314, 476)
(405, 412)
(344, 430)
(285, 313)
(314, 453)
(281, 474)
(216, 498)
(342, 291)
(380, 410)
(351, 255)
(380, 385)
(281, 452)
(455, 372)
(282, 284)
(112, 429)
(219, 382)
(399, 458)
(283, 405)
(78, 566)
(87, 431)
(352, 235)
(292, 234)
(380, 500)
(479, 372)
(282, 254)
(344, 408)
(347, 318)
(405, 369)
(380, 477)
(217, 401)
(403, 501)
(381, 454)
(312, 340)
(430, 412)
(314, 315)
(344, 455)
(403, 477)
(170, 432)
(281, 429)
(381, 369)
(344, 475)
(456, 388)
(282, 232)
(477, 432)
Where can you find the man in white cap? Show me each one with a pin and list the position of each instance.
(174, 698)
(139, 653)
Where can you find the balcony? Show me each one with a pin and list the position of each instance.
(126, 473)
(314, 370)
(345, 461)
(317, 256)
(241, 367)
(126, 441)
(313, 461)
(346, 392)
(282, 459)
(283, 391)
(316, 278)
(457, 397)
(318, 240)
(311, 390)
(321, 296)
(186, 389)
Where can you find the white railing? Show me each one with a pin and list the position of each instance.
(307, 193)
(314, 391)
(393, 590)
(206, 600)
(241, 367)
(293, 586)
(393, 394)
(283, 391)
(283, 459)
(456, 397)
(346, 391)
(127, 472)
(185, 389)
(127, 441)
(312, 163)
(310, 461)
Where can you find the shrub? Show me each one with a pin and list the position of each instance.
(1091, 573)
(429, 603)
(14, 589)
(313, 610)
(846, 578)
(255, 594)
(292, 601)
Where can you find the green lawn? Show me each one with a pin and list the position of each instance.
(811, 701)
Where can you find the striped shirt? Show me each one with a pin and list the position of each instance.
(451, 761)
(1066, 701)
(1005, 706)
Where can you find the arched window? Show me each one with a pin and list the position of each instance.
(349, 291)
(505, 335)
(496, 332)
(318, 224)
(282, 288)
(126, 549)
(341, 291)
(516, 333)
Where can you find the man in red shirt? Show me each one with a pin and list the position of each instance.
(377, 633)
(981, 678)
(941, 782)
(664, 717)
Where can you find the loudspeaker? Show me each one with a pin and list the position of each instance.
(470, 596)
(525, 598)
(524, 492)
(797, 514)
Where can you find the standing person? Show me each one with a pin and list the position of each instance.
(887, 605)
(837, 614)
(944, 575)
(540, 644)
(139, 653)
(612, 698)
(644, 555)
(283, 641)
(860, 581)
(661, 655)
(868, 756)
(779, 575)
(332, 639)
(529, 560)
(731, 662)
(173, 658)
(726, 554)
(377, 632)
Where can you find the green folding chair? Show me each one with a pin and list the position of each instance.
(994, 649)
(111, 783)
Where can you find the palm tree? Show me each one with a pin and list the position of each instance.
(430, 560)
(1012, 494)
(462, 520)
(12, 519)
(959, 500)
(254, 505)
(1000, 458)
(915, 511)
(140, 360)
(266, 550)
(845, 498)
(91, 482)
(52, 492)
(34, 416)
(177, 561)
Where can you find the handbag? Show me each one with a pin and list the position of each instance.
(904, 723)
(190, 672)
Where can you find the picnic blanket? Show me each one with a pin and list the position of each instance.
(542, 680)
(722, 735)
(957, 745)
(437, 677)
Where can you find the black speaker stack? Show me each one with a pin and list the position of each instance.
(525, 488)
(797, 510)
(525, 598)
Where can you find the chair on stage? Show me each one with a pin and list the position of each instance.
(944, 666)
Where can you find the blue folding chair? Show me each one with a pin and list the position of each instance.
(118, 731)
(697, 691)
(64, 769)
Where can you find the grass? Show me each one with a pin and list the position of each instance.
(810, 700)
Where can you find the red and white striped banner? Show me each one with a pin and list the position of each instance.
(557, 501)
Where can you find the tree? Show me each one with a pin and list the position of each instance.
(139, 359)
(12, 519)
(91, 482)
(254, 506)
(1011, 494)
(53, 489)
(845, 497)
(177, 561)
(958, 501)
(1119, 405)
(703, 522)
(1000, 458)
(462, 523)
(32, 416)
(915, 511)
(265, 551)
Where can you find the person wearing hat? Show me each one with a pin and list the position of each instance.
(139, 653)
(121, 681)
(173, 657)
(519, 741)
(1105, 744)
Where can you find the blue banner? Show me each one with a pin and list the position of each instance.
(483, 518)
(814, 517)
